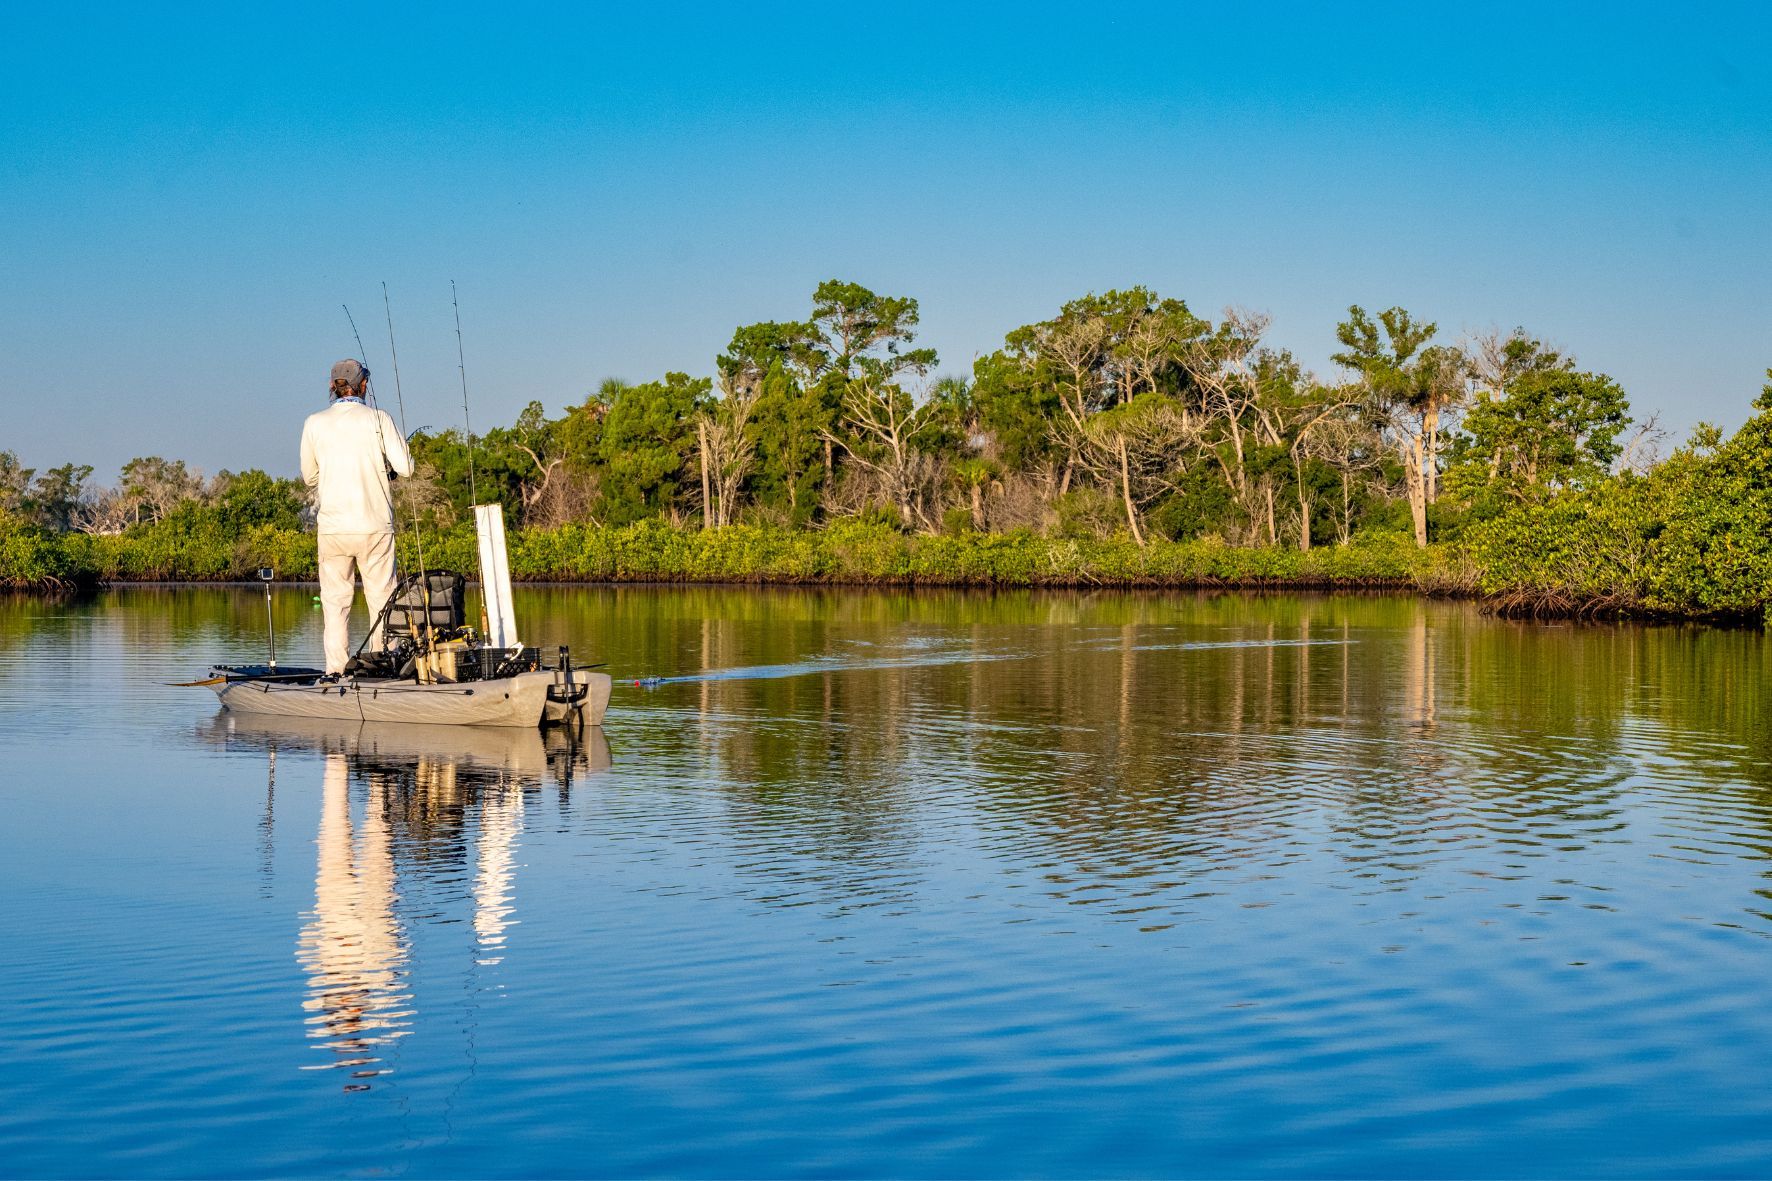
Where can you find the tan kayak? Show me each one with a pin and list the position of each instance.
(430, 668)
(532, 699)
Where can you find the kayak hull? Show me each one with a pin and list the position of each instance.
(520, 700)
(484, 751)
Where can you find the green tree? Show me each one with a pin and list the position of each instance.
(1235, 380)
(152, 487)
(770, 366)
(648, 446)
(1550, 428)
(856, 332)
(788, 422)
(1329, 446)
(1714, 544)
(580, 433)
(802, 371)
(1498, 361)
(860, 347)
(56, 496)
(1136, 449)
(974, 475)
(15, 483)
(526, 458)
(443, 457)
(1412, 387)
(1098, 352)
(1014, 411)
(251, 498)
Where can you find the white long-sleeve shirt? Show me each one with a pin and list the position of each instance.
(346, 452)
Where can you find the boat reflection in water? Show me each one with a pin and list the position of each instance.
(394, 799)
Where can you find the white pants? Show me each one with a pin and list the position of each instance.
(373, 554)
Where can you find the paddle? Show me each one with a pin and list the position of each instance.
(222, 680)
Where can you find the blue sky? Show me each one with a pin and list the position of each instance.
(188, 196)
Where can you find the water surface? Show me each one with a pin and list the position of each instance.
(889, 884)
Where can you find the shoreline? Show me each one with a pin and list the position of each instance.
(855, 553)
(1510, 605)
(639, 581)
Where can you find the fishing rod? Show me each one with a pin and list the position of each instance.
(461, 365)
(381, 440)
(400, 401)
(361, 351)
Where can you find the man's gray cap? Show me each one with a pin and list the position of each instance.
(351, 372)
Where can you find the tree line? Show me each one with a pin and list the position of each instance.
(1125, 412)
(1126, 416)
(149, 490)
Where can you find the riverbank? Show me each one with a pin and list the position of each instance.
(845, 553)
(1522, 567)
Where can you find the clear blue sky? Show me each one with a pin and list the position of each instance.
(188, 193)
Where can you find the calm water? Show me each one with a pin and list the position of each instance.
(908, 885)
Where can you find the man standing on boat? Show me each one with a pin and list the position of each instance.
(348, 452)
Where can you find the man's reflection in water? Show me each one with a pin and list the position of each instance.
(501, 819)
(426, 799)
(353, 949)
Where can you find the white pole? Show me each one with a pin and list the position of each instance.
(495, 577)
